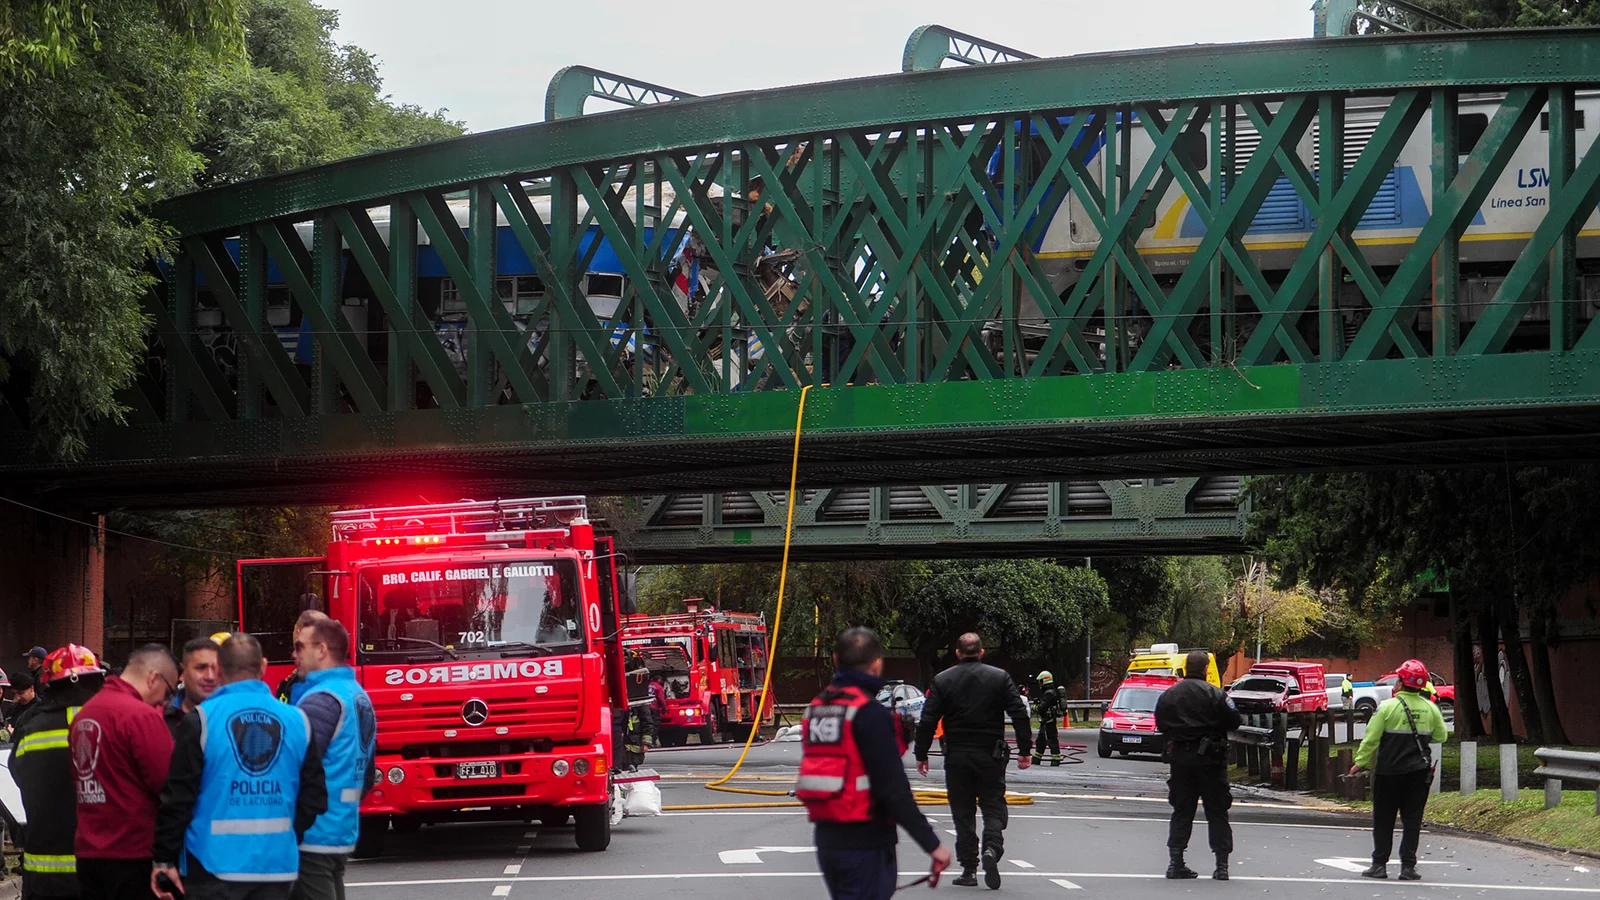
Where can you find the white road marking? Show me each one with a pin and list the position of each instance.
(949, 831)
(530, 835)
(945, 815)
(502, 890)
(1359, 864)
(524, 850)
(751, 855)
(1023, 864)
(1362, 884)
(1062, 882)
(513, 869)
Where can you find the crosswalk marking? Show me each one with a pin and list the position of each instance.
(1062, 882)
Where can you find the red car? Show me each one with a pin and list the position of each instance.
(1276, 687)
(1444, 693)
(1129, 725)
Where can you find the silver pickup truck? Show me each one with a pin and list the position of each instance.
(1366, 699)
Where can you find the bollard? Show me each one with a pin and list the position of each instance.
(1552, 793)
(1437, 752)
(1508, 773)
(1252, 760)
(1291, 766)
(1469, 767)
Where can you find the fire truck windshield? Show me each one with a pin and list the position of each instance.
(433, 609)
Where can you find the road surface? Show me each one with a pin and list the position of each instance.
(1094, 830)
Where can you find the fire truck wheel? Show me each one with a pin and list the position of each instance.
(374, 830)
(592, 827)
(708, 731)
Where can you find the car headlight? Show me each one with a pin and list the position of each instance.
(1107, 724)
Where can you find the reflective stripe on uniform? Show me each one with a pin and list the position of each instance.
(863, 783)
(55, 739)
(330, 851)
(251, 826)
(829, 783)
(350, 795)
(46, 864)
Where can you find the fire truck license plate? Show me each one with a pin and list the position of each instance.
(478, 770)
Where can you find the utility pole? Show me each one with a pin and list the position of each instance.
(1088, 638)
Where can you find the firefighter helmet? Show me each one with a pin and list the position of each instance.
(71, 661)
(1413, 674)
(1046, 678)
(219, 637)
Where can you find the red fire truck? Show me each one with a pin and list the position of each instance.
(486, 635)
(712, 664)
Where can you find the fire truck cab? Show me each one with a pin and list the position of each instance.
(486, 635)
(711, 663)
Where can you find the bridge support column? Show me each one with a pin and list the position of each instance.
(52, 581)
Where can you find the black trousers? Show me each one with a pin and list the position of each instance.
(114, 879)
(1047, 735)
(976, 780)
(1404, 794)
(205, 886)
(861, 874)
(1189, 785)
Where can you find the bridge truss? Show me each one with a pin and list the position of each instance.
(876, 238)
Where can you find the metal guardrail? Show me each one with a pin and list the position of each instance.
(1557, 766)
(1251, 736)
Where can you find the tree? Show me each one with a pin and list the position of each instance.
(1140, 591)
(1021, 608)
(97, 102)
(1510, 542)
(106, 108)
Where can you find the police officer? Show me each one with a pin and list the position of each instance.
(344, 730)
(973, 700)
(1049, 709)
(41, 764)
(1195, 716)
(1397, 750)
(245, 785)
(852, 782)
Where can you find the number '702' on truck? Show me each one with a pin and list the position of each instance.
(486, 634)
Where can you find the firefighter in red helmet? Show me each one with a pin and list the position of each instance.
(852, 781)
(41, 764)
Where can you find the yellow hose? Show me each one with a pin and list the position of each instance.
(777, 620)
(923, 798)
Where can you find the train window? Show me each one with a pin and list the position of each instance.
(1193, 145)
(1577, 120)
(1469, 128)
(450, 296)
(603, 285)
(1148, 211)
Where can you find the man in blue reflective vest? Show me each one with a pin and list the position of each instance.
(344, 730)
(245, 783)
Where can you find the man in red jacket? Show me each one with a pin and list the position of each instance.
(120, 750)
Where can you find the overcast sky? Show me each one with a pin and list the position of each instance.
(489, 61)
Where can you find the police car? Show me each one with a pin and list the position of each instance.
(904, 698)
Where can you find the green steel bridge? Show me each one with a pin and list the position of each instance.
(875, 238)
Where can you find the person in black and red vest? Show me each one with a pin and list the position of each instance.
(852, 780)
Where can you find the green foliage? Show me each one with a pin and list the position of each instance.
(46, 37)
(1140, 590)
(297, 99)
(203, 544)
(107, 107)
(1199, 594)
(1021, 608)
(84, 149)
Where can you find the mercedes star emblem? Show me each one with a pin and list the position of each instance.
(474, 712)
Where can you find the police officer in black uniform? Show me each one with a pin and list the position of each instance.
(974, 699)
(1195, 716)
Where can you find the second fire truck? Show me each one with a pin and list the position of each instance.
(712, 664)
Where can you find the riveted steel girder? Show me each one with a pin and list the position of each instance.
(437, 310)
(1050, 519)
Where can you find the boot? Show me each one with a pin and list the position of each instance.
(1409, 873)
(1220, 873)
(1176, 868)
(1377, 870)
(991, 870)
(1055, 759)
(1037, 760)
(967, 878)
